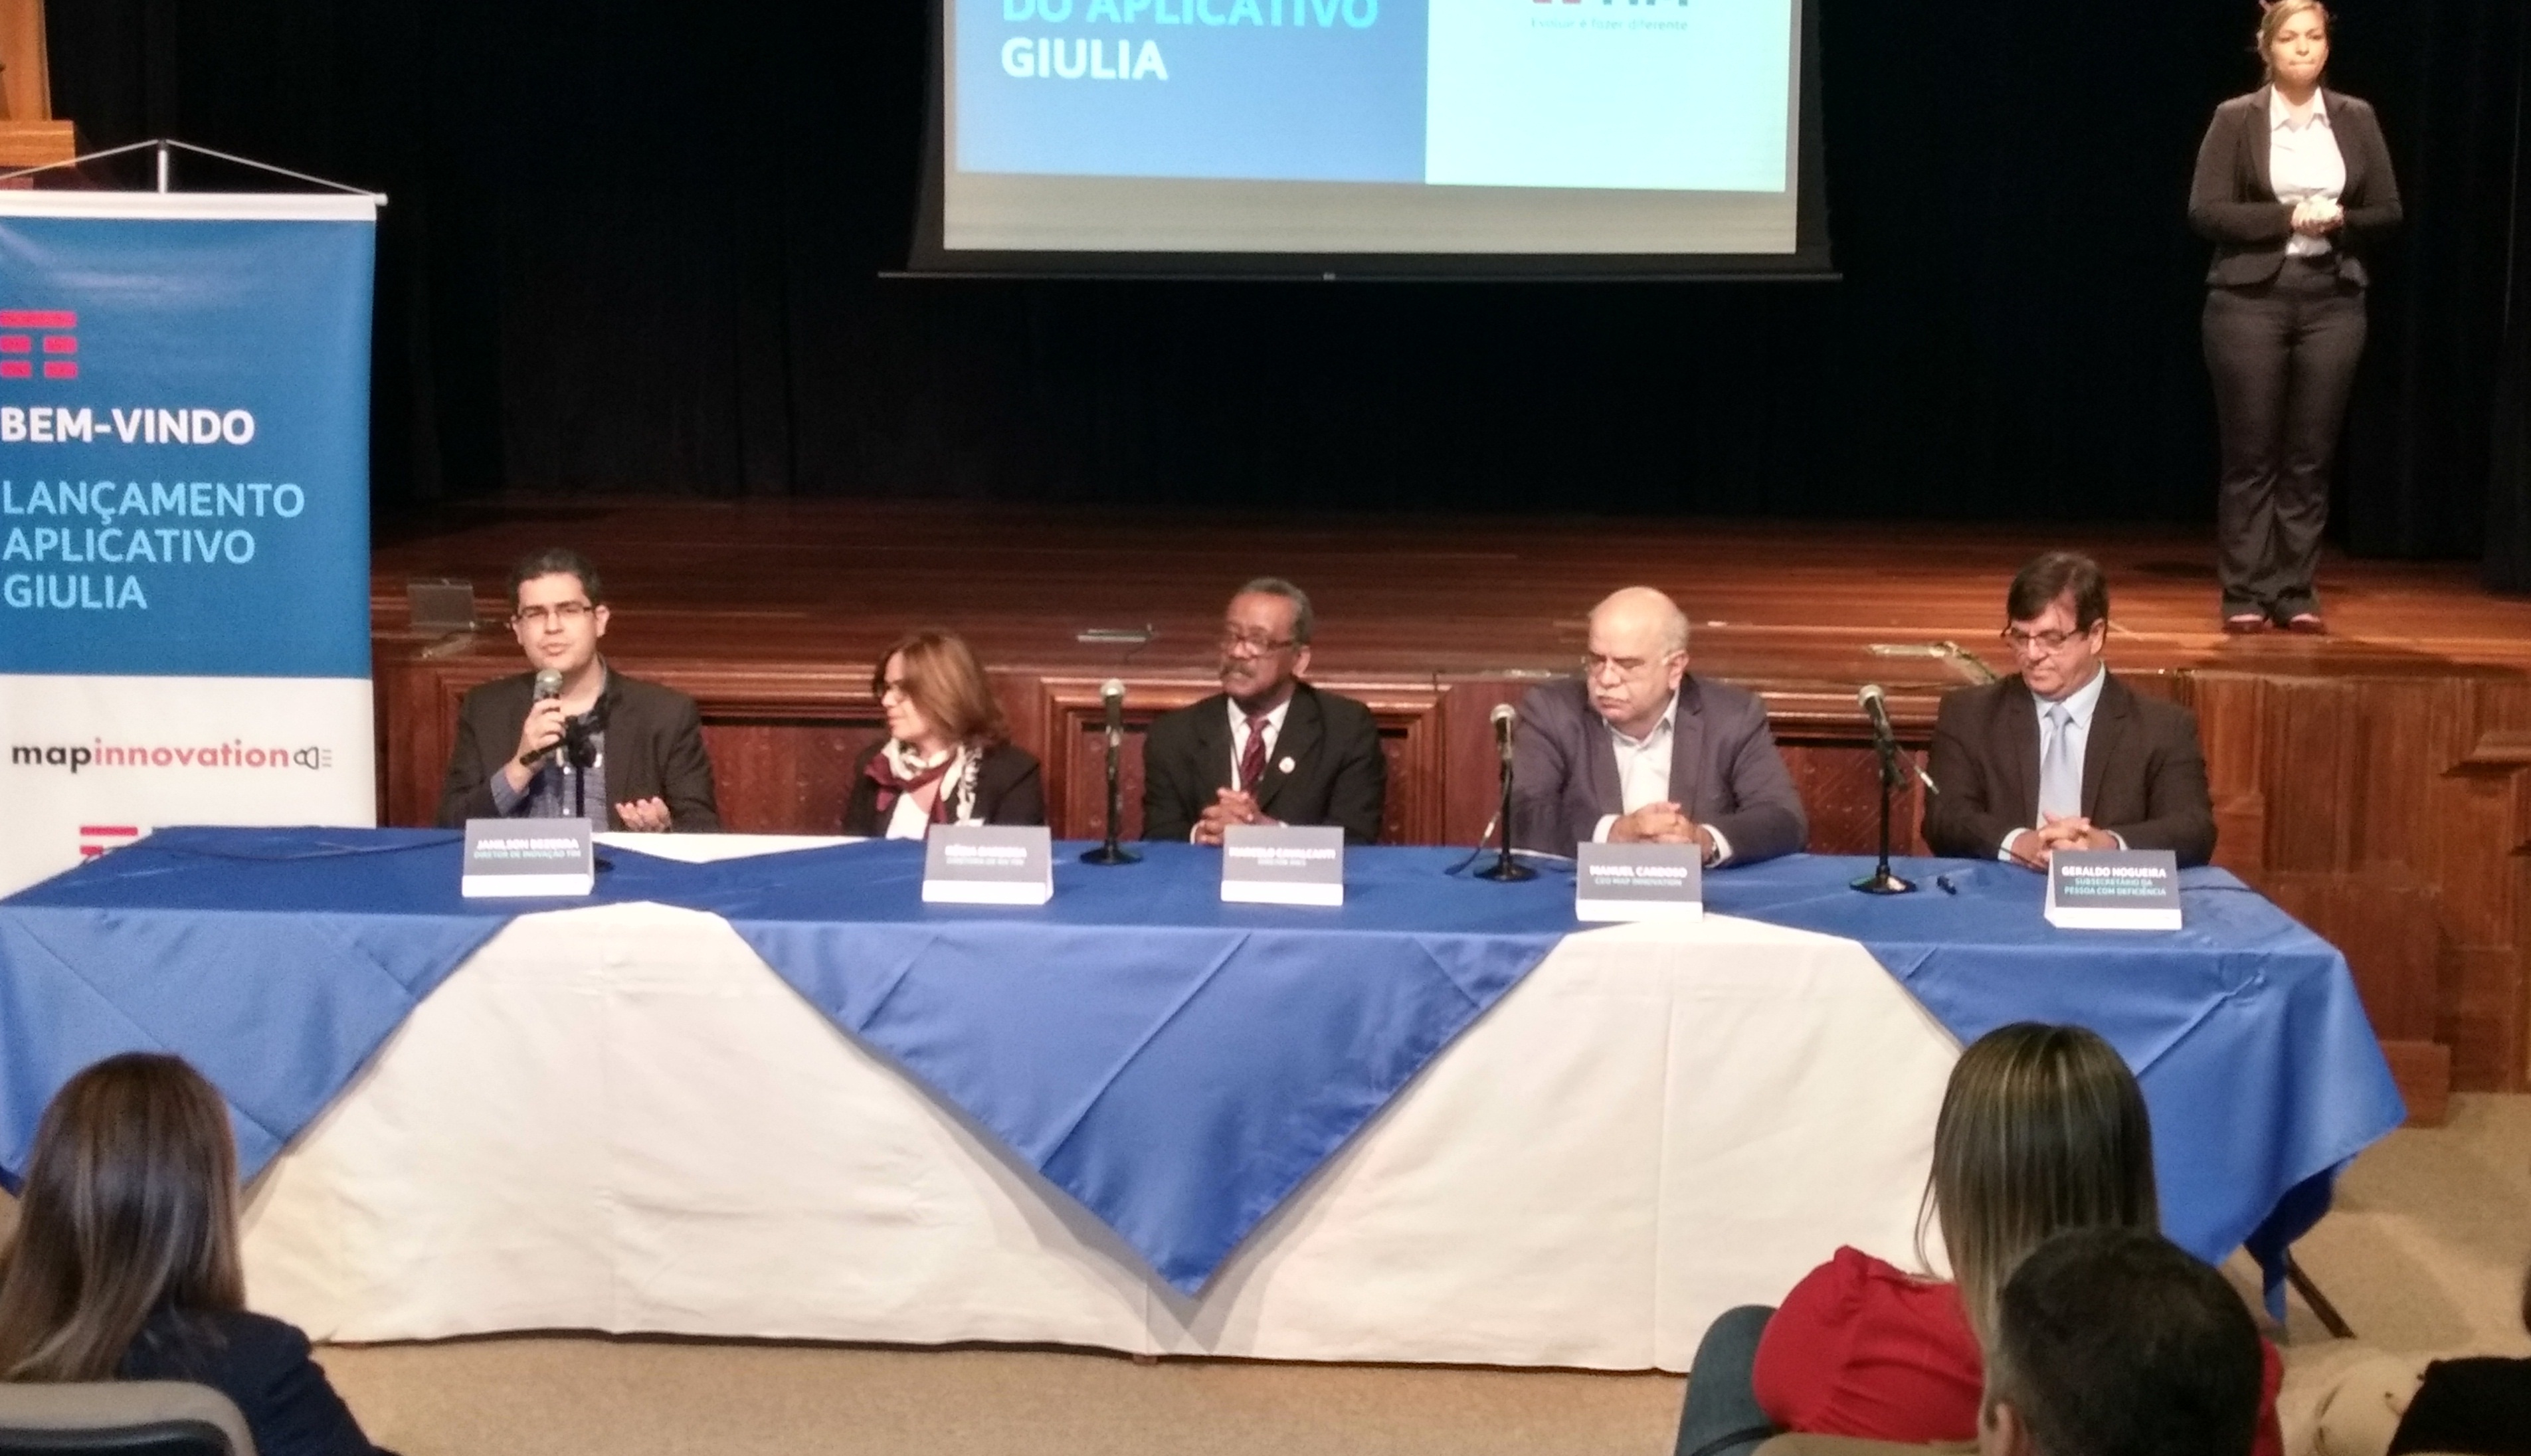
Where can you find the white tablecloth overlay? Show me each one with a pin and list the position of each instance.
(618, 1118)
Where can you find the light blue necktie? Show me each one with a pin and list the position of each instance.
(2060, 782)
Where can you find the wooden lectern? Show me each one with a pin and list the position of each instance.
(28, 134)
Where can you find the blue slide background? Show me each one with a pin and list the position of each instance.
(1256, 102)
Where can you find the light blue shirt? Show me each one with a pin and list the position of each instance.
(2079, 706)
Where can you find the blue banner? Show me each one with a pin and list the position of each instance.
(183, 440)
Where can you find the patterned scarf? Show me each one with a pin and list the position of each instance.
(898, 769)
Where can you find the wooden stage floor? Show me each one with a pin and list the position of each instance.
(2373, 781)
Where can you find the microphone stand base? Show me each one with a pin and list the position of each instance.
(1882, 882)
(1506, 872)
(1110, 854)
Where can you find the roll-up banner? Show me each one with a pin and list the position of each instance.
(183, 517)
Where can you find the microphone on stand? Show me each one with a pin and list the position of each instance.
(1882, 882)
(1112, 695)
(1885, 737)
(1504, 869)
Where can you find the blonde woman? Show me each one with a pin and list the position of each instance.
(947, 758)
(2041, 1129)
(2294, 188)
(125, 1262)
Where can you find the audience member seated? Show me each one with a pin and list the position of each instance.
(1269, 749)
(624, 752)
(2062, 754)
(1636, 750)
(2373, 1402)
(124, 1265)
(2041, 1129)
(947, 758)
(2115, 1342)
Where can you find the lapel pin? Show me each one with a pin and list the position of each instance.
(1285, 765)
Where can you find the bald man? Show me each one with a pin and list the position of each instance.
(1636, 750)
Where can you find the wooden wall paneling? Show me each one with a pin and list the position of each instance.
(2312, 757)
(2488, 802)
(2231, 728)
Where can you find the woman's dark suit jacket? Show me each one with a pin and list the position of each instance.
(1008, 791)
(2235, 204)
(261, 1365)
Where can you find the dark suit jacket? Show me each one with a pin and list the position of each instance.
(1009, 790)
(655, 749)
(2143, 777)
(260, 1363)
(1338, 775)
(2233, 204)
(1724, 770)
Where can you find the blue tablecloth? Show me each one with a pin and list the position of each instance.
(1177, 1064)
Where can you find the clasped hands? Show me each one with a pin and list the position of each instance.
(2031, 848)
(2316, 216)
(1229, 806)
(1658, 823)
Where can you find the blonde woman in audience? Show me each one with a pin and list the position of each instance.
(948, 757)
(2043, 1129)
(124, 1265)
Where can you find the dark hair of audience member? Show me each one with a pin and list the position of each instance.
(2115, 1342)
(942, 675)
(130, 1207)
(2043, 1129)
(557, 561)
(2050, 576)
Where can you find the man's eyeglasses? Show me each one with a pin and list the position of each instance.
(1255, 642)
(1593, 665)
(2046, 641)
(564, 613)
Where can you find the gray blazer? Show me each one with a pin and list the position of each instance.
(1724, 770)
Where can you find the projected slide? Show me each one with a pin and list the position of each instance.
(1673, 95)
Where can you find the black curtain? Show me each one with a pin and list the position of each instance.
(2508, 560)
(634, 247)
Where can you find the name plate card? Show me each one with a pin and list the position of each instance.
(529, 856)
(1639, 882)
(2114, 890)
(1282, 864)
(988, 865)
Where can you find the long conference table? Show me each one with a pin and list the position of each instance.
(757, 1088)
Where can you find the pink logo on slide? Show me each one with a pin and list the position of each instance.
(25, 334)
(96, 839)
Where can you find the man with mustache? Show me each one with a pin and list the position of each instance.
(1269, 749)
(1637, 750)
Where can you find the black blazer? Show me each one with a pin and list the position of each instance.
(1338, 775)
(655, 749)
(1009, 790)
(2233, 203)
(2144, 776)
(260, 1363)
(1724, 770)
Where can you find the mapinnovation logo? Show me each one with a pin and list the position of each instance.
(234, 754)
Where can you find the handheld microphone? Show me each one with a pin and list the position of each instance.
(1504, 716)
(548, 684)
(1112, 694)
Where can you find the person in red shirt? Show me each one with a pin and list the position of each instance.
(2041, 1129)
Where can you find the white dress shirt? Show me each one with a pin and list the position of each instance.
(2303, 162)
(2079, 706)
(1643, 776)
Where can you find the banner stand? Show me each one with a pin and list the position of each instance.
(184, 511)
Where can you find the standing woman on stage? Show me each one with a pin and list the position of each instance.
(948, 757)
(2294, 188)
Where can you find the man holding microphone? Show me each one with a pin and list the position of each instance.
(569, 738)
